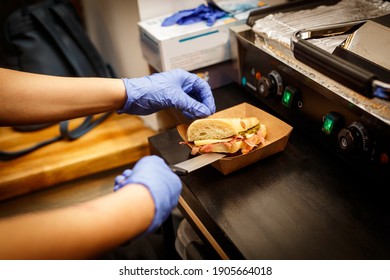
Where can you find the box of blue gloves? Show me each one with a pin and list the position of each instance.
(189, 39)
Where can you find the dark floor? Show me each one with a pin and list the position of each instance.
(187, 245)
(150, 247)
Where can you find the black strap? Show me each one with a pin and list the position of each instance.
(66, 134)
(4, 155)
(86, 126)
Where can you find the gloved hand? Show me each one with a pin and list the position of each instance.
(162, 183)
(176, 88)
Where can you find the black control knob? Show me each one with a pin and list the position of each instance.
(354, 138)
(270, 84)
(266, 86)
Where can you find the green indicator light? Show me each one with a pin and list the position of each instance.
(328, 124)
(287, 97)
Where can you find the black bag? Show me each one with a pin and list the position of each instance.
(48, 38)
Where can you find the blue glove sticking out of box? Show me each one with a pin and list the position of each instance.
(208, 13)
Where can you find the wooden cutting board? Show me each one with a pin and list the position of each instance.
(120, 140)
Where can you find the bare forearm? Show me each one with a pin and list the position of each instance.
(29, 98)
(78, 232)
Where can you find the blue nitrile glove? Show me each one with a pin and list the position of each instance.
(162, 183)
(202, 13)
(176, 88)
(176, 17)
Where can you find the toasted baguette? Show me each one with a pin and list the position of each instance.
(219, 128)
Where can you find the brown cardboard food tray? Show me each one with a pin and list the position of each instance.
(278, 133)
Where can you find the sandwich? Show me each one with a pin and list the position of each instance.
(226, 135)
